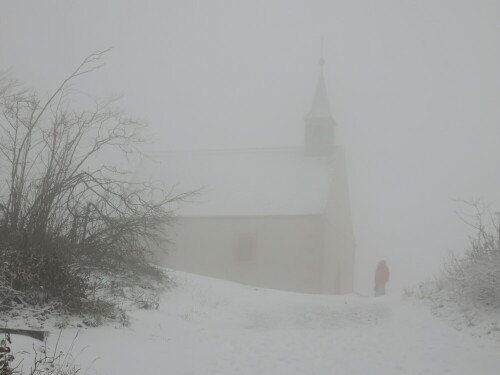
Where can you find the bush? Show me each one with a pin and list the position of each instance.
(32, 276)
(474, 277)
(63, 214)
(6, 357)
(58, 363)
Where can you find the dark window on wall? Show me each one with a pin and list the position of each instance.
(245, 248)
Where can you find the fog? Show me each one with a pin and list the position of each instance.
(413, 86)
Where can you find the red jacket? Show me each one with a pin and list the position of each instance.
(382, 274)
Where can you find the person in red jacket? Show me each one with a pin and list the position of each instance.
(381, 278)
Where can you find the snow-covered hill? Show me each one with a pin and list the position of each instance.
(209, 326)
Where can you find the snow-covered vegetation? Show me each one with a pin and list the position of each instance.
(468, 290)
(72, 224)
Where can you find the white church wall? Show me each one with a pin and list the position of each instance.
(338, 268)
(281, 252)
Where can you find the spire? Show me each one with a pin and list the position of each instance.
(319, 135)
(320, 107)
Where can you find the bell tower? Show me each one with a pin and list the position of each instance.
(319, 135)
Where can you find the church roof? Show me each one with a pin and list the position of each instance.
(243, 182)
(320, 106)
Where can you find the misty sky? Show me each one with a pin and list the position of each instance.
(413, 85)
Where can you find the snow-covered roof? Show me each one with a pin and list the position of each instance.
(243, 182)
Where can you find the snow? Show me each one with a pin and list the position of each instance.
(272, 181)
(210, 326)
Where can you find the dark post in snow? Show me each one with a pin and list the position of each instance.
(37, 335)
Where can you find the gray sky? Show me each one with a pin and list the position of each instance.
(414, 86)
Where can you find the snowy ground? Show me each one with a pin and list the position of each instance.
(208, 326)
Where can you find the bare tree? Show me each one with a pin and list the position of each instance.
(56, 194)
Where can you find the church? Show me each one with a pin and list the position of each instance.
(267, 217)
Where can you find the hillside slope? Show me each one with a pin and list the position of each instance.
(209, 326)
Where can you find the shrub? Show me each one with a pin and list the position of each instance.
(6, 357)
(58, 363)
(475, 276)
(63, 213)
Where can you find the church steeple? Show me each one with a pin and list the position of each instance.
(320, 105)
(319, 120)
